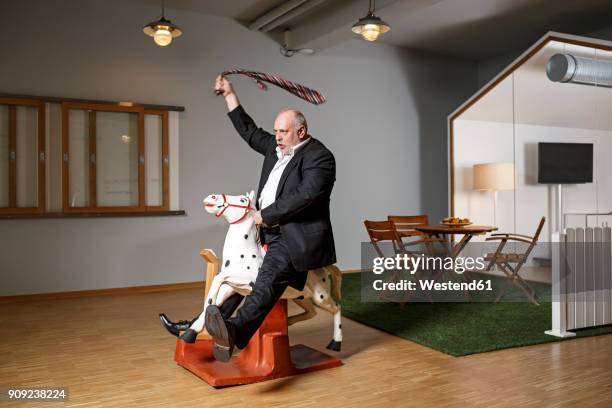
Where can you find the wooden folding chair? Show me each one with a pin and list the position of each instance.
(380, 231)
(412, 241)
(504, 260)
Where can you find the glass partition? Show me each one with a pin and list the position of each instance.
(484, 134)
(506, 122)
(556, 112)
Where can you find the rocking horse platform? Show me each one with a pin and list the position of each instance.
(267, 356)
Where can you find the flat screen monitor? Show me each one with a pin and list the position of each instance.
(565, 163)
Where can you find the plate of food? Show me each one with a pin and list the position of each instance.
(456, 221)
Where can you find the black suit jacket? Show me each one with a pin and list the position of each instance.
(301, 208)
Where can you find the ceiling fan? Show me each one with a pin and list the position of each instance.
(287, 51)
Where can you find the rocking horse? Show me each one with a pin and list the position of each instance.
(268, 354)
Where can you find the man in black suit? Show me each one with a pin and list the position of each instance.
(296, 182)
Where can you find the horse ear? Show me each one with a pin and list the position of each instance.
(251, 195)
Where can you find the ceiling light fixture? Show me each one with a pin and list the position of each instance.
(162, 30)
(370, 26)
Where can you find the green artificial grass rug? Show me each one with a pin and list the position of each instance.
(459, 329)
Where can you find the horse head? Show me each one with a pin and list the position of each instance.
(234, 208)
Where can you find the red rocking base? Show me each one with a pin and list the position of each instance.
(267, 356)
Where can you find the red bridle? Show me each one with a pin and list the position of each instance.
(227, 204)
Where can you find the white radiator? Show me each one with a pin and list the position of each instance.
(581, 279)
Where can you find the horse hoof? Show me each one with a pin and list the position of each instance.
(334, 345)
(189, 336)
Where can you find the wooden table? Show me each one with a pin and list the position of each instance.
(438, 232)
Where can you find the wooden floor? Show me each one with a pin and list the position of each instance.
(112, 351)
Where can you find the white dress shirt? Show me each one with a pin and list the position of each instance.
(268, 193)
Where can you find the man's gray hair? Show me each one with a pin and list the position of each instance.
(299, 119)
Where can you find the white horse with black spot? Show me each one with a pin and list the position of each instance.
(242, 258)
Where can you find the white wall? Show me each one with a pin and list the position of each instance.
(520, 210)
(385, 122)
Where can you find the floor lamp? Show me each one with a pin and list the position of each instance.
(494, 177)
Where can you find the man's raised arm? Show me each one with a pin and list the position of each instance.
(224, 88)
(259, 140)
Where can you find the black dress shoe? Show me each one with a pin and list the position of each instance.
(175, 328)
(189, 336)
(222, 332)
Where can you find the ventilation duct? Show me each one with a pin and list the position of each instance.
(296, 12)
(579, 70)
(275, 14)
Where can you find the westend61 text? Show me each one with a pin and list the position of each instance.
(413, 264)
(430, 284)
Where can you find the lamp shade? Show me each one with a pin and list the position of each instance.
(162, 31)
(370, 27)
(494, 176)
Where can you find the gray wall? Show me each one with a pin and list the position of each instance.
(385, 122)
(489, 68)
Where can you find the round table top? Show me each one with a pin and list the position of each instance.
(455, 229)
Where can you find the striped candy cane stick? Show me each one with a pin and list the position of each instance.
(309, 95)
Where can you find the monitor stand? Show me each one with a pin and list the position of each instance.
(560, 208)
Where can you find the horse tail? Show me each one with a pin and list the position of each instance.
(336, 277)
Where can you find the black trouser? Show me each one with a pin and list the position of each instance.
(275, 274)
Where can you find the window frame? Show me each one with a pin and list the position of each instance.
(93, 207)
(51, 172)
(41, 155)
(165, 160)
